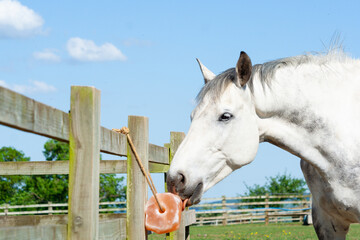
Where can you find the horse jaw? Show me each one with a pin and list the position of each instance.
(223, 173)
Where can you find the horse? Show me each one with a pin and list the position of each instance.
(308, 105)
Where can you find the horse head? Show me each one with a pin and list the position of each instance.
(223, 134)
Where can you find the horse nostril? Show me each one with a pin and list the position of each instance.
(176, 182)
(182, 178)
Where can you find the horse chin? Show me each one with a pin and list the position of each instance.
(195, 198)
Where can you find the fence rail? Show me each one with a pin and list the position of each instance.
(252, 209)
(7, 210)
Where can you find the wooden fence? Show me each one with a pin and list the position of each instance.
(253, 209)
(81, 129)
(55, 208)
(237, 210)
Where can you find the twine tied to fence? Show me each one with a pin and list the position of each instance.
(126, 131)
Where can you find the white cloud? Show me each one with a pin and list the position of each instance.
(87, 50)
(47, 55)
(17, 20)
(33, 87)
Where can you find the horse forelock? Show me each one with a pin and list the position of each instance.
(217, 86)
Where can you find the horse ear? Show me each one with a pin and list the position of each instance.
(207, 74)
(243, 69)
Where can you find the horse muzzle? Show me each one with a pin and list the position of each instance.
(179, 184)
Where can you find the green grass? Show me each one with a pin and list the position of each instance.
(258, 231)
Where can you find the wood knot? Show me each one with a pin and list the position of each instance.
(78, 221)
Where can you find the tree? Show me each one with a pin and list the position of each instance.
(111, 187)
(281, 184)
(11, 187)
(50, 188)
(285, 184)
(19, 190)
(55, 150)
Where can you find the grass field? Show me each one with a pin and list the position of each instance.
(258, 231)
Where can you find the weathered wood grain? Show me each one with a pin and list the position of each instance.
(158, 154)
(112, 142)
(33, 220)
(54, 232)
(34, 168)
(189, 217)
(84, 163)
(136, 183)
(113, 229)
(62, 167)
(158, 168)
(26, 114)
(175, 140)
(111, 226)
(183, 232)
(113, 166)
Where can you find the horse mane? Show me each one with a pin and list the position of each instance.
(266, 71)
(217, 86)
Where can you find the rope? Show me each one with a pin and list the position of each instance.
(147, 175)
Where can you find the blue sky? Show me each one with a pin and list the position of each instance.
(141, 55)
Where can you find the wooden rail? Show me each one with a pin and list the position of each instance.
(239, 210)
(23, 113)
(49, 208)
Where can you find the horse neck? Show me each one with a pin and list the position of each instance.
(294, 112)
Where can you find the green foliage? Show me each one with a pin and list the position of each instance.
(111, 188)
(50, 188)
(256, 190)
(281, 184)
(12, 186)
(285, 184)
(9, 154)
(18, 190)
(55, 150)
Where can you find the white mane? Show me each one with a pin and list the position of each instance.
(266, 71)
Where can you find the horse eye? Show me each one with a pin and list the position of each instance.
(225, 117)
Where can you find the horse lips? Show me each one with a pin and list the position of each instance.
(167, 221)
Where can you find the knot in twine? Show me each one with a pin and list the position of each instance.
(126, 131)
(123, 130)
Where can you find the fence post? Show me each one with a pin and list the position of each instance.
(84, 163)
(267, 209)
(136, 183)
(6, 210)
(50, 208)
(310, 220)
(225, 214)
(183, 233)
